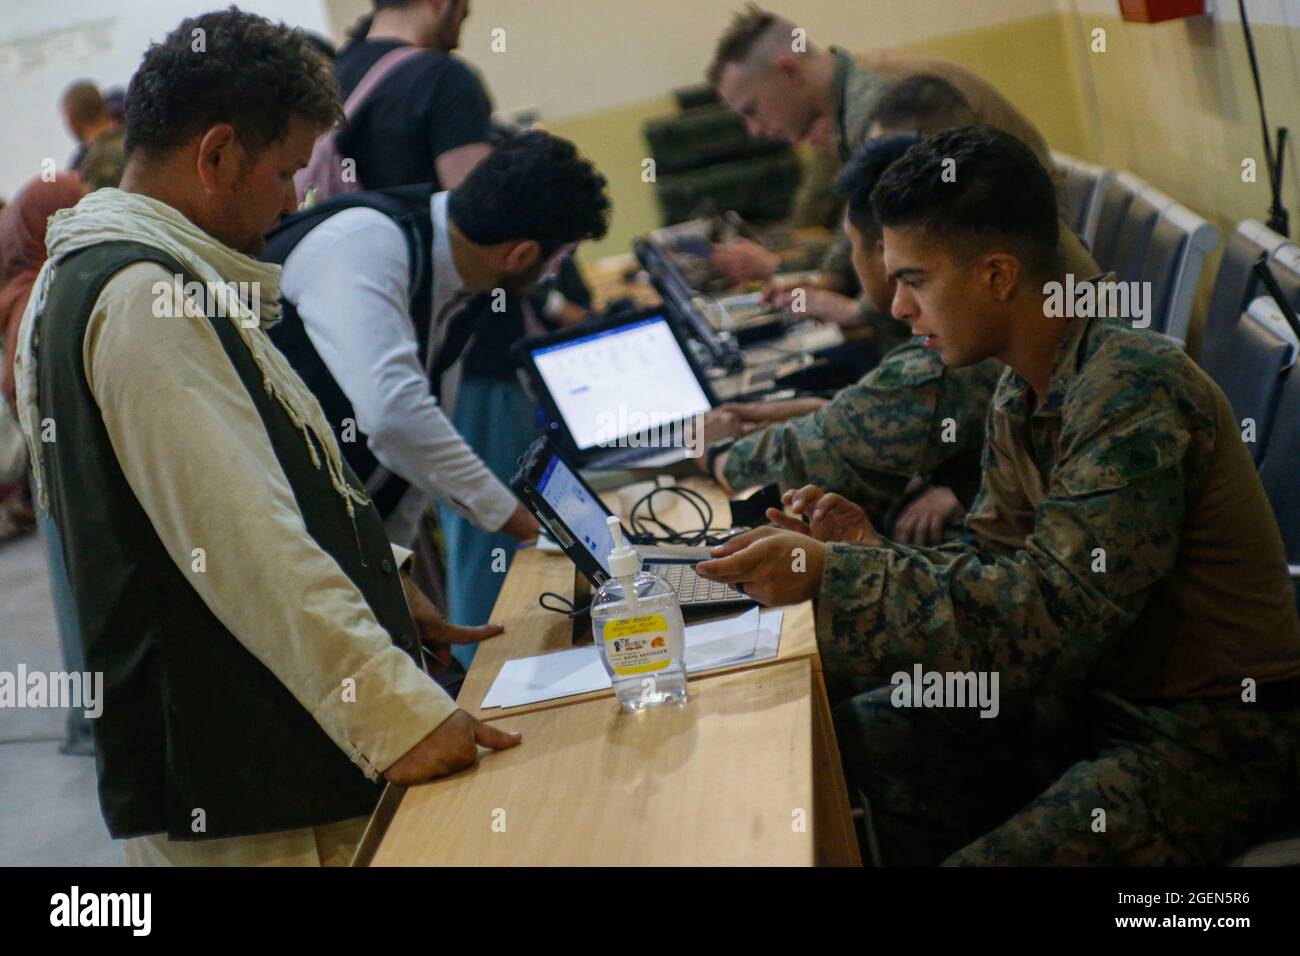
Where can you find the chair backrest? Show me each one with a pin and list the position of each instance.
(1135, 227)
(1175, 256)
(1285, 265)
(1114, 203)
(1084, 185)
(1279, 472)
(1250, 369)
(1235, 285)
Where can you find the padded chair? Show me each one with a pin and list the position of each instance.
(1133, 234)
(1280, 471)
(1281, 479)
(1116, 196)
(1252, 365)
(1236, 285)
(1084, 185)
(1175, 256)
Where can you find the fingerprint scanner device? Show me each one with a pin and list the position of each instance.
(624, 393)
(551, 488)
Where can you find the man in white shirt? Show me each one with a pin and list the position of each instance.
(373, 284)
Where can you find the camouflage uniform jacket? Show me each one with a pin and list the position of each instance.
(908, 416)
(1121, 540)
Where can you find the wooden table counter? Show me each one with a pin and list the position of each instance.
(746, 772)
(725, 779)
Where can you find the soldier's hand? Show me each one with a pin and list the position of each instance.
(742, 260)
(923, 520)
(830, 517)
(770, 565)
(810, 301)
(452, 746)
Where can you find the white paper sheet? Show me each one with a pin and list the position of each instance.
(752, 635)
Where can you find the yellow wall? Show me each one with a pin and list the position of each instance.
(1172, 102)
(1175, 103)
(1027, 60)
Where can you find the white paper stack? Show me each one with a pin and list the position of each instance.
(753, 635)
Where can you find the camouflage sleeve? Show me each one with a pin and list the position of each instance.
(1041, 615)
(815, 202)
(838, 259)
(866, 444)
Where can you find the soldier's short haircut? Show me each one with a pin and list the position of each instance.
(922, 104)
(738, 41)
(83, 102)
(861, 173)
(228, 67)
(970, 186)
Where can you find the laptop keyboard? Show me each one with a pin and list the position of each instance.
(690, 587)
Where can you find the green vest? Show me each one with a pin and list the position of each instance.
(194, 728)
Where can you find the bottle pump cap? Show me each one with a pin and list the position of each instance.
(623, 560)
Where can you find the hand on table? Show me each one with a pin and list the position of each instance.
(812, 301)
(435, 631)
(452, 746)
(742, 260)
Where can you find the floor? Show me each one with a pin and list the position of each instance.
(49, 814)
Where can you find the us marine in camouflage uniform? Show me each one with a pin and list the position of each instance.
(830, 109)
(1124, 577)
(909, 417)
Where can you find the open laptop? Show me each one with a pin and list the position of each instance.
(623, 393)
(572, 514)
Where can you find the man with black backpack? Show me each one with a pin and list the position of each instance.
(416, 113)
(375, 287)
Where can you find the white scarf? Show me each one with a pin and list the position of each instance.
(110, 215)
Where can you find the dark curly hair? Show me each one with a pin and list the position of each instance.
(997, 190)
(246, 71)
(861, 173)
(532, 186)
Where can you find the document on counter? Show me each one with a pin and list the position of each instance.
(753, 635)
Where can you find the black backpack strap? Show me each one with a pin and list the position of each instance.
(404, 205)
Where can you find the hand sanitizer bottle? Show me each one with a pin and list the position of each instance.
(637, 625)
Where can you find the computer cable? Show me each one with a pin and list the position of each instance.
(642, 524)
(565, 606)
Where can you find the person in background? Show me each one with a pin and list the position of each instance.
(1121, 596)
(429, 120)
(377, 351)
(904, 443)
(102, 165)
(261, 644)
(115, 103)
(86, 116)
(823, 96)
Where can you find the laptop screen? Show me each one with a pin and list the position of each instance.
(620, 382)
(581, 513)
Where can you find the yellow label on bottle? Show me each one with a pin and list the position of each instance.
(637, 645)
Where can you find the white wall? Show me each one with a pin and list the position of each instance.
(47, 44)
